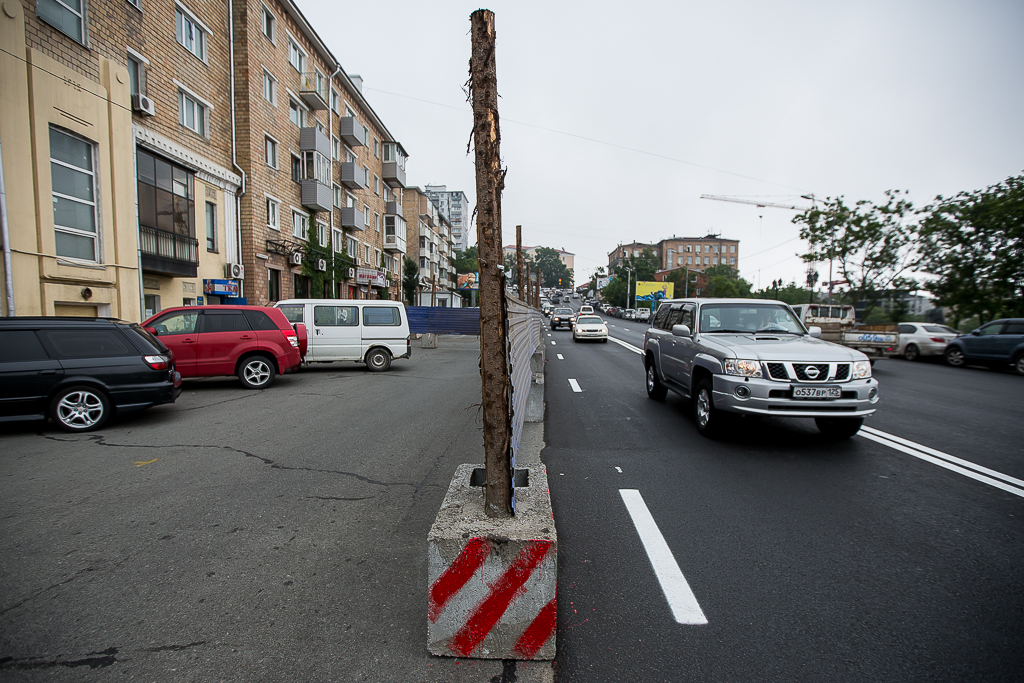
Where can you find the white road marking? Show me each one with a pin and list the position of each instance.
(553, 342)
(634, 349)
(681, 599)
(575, 386)
(625, 329)
(951, 463)
(619, 470)
(559, 356)
(549, 334)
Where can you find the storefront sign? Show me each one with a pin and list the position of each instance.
(231, 288)
(368, 276)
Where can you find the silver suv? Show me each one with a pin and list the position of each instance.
(754, 356)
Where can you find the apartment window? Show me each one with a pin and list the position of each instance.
(321, 234)
(269, 24)
(714, 261)
(211, 227)
(706, 260)
(376, 185)
(300, 225)
(377, 260)
(296, 114)
(192, 113)
(136, 75)
(337, 196)
(321, 127)
(190, 34)
(296, 57)
(350, 201)
(376, 148)
(376, 222)
(64, 15)
(273, 284)
(366, 254)
(296, 168)
(366, 175)
(337, 241)
(353, 247)
(335, 101)
(366, 215)
(732, 248)
(270, 151)
(73, 173)
(689, 260)
(269, 88)
(273, 214)
(732, 260)
(166, 194)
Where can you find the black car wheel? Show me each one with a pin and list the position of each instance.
(378, 360)
(955, 357)
(839, 427)
(912, 352)
(655, 389)
(256, 372)
(707, 417)
(80, 409)
(1018, 365)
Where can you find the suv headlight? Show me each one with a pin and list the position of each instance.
(861, 369)
(743, 368)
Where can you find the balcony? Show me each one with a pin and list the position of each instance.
(168, 253)
(352, 218)
(313, 90)
(351, 131)
(393, 174)
(353, 176)
(316, 195)
(316, 169)
(394, 242)
(393, 208)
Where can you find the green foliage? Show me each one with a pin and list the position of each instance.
(411, 278)
(974, 243)
(631, 269)
(789, 293)
(551, 268)
(872, 244)
(725, 281)
(466, 261)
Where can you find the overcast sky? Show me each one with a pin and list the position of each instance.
(616, 117)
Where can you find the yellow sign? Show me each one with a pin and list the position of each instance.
(654, 291)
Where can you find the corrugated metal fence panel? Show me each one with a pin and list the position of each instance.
(524, 338)
(443, 320)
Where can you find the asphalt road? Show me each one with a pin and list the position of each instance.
(809, 559)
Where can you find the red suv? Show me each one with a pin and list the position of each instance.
(252, 342)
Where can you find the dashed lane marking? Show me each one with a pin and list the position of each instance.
(575, 386)
(553, 342)
(559, 356)
(619, 470)
(681, 599)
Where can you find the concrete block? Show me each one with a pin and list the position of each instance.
(535, 399)
(491, 582)
(428, 341)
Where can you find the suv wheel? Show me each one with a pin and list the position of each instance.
(80, 409)
(912, 352)
(705, 414)
(839, 427)
(256, 372)
(954, 357)
(655, 389)
(378, 360)
(1018, 365)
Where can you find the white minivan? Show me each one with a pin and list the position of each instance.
(361, 330)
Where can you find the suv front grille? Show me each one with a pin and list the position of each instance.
(777, 371)
(819, 374)
(842, 372)
(797, 372)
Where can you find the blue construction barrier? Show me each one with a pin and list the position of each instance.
(443, 320)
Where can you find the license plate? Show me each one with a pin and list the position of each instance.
(817, 392)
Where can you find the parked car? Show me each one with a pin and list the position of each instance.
(561, 317)
(81, 372)
(589, 327)
(629, 314)
(923, 339)
(254, 343)
(754, 356)
(642, 315)
(997, 343)
(371, 332)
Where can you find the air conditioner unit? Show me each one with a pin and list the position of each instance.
(351, 273)
(143, 105)
(358, 261)
(234, 270)
(295, 258)
(387, 283)
(321, 264)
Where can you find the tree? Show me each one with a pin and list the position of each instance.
(789, 293)
(974, 243)
(872, 244)
(725, 281)
(466, 261)
(551, 267)
(410, 279)
(630, 269)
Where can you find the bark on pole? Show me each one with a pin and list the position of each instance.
(490, 180)
(519, 265)
(538, 285)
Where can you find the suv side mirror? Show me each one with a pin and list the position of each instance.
(680, 331)
(814, 331)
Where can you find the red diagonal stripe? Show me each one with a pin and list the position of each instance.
(455, 577)
(485, 615)
(538, 632)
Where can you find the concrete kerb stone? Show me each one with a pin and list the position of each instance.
(491, 583)
(428, 341)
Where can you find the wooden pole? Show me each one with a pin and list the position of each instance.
(519, 265)
(537, 302)
(490, 180)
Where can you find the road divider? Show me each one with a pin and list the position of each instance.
(947, 461)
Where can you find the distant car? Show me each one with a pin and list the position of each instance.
(253, 343)
(629, 314)
(561, 317)
(924, 339)
(81, 371)
(589, 327)
(545, 308)
(997, 343)
(586, 310)
(642, 314)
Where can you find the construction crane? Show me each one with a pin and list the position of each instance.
(755, 202)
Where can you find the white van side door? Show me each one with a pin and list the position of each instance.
(382, 324)
(335, 332)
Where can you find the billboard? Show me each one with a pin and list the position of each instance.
(654, 291)
(602, 282)
(468, 281)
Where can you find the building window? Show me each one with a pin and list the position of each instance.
(296, 168)
(211, 227)
(136, 75)
(732, 260)
(366, 215)
(321, 234)
(376, 148)
(296, 114)
(335, 101)
(269, 88)
(166, 195)
(73, 173)
(689, 260)
(64, 15)
(300, 225)
(190, 34)
(376, 185)
(268, 24)
(706, 260)
(296, 57)
(337, 240)
(353, 248)
(337, 196)
(273, 214)
(366, 255)
(273, 284)
(377, 260)
(271, 152)
(732, 248)
(366, 176)
(376, 222)
(335, 148)
(714, 261)
(192, 113)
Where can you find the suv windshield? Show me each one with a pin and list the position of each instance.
(748, 318)
(563, 311)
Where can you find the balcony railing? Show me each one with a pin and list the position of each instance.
(169, 253)
(394, 242)
(313, 90)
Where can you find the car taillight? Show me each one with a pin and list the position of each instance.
(157, 362)
(293, 339)
(938, 340)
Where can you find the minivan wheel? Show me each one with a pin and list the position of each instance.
(705, 414)
(911, 352)
(256, 372)
(655, 389)
(839, 427)
(80, 409)
(378, 360)
(954, 357)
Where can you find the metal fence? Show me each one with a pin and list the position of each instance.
(524, 339)
(443, 320)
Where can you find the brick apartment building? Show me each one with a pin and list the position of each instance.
(429, 237)
(694, 253)
(454, 205)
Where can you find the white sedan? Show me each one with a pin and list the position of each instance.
(923, 339)
(589, 327)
